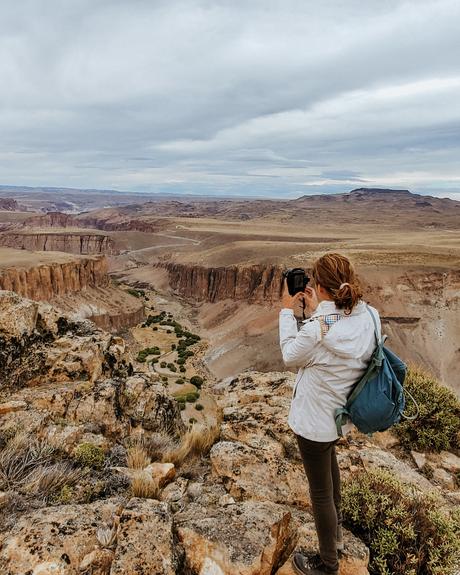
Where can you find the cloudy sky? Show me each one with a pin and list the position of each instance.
(275, 98)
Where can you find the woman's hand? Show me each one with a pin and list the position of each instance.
(311, 299)
(288, 301)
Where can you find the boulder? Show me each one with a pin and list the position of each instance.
(145, 540)
(449, 461)
(162, 472)
(259, 471)
(419, 458)
(244, 538)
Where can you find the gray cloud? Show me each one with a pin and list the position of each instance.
(263, 97)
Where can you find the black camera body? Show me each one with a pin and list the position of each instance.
(297, 280)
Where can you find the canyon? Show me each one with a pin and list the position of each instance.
(137, 440)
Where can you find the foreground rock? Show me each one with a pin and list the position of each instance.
(71, 539)
(247, 538)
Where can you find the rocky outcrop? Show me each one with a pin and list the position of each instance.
(37, 343)
(73, 243)
(8, 205)
(44, 281)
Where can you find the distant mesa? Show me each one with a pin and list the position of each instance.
(361, 194)
(370, 191)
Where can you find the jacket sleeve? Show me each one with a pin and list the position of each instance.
(297, 345)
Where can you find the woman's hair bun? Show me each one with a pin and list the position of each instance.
(335, 273)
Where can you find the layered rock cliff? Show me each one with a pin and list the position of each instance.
(69, 242)
(255, 284)
(43, 281)
(106, 220)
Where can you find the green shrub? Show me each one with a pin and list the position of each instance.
(173, 368)
(408, 533)
(192, 420)
(180, 361)
(182, 369)
(437, 427)
(136, 292)
(155, 328)
(192, 397)
(197, 381)
(199, 406)
(173, 346)
(182, 406)
(65, 496)
(163, 364)
(180, 381)
(89, 455)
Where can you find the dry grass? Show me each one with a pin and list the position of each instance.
(143, 485)
(137, 456)
(197, 441)
(28, 466)
(20, 457)
(158, 444)
(46, 480)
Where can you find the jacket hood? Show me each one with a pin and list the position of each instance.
(350, 336)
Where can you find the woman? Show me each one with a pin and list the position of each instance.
(332, 349)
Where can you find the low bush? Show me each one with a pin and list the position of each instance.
(89, 455)
(182, 369)
(136, 292)
(144, 353)
(199, 407)
(437, 427)
(163, 364)
(407, 532)
(197, 381)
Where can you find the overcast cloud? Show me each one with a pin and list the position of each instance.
(266, 97)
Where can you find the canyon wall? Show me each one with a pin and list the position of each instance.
(111, 222)
(45, 281)
(73, 243)
(254, 284)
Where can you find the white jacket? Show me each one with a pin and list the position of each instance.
(330, 365)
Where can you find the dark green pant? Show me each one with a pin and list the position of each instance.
(323, 474)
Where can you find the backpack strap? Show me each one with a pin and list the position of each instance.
(376, 332)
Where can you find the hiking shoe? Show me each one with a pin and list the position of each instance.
(313, 565)
(340, 543)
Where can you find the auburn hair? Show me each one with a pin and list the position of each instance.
(332, 270)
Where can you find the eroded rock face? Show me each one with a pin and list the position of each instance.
(44, 281)
(72, 243)
(38, 345)
(255, 283)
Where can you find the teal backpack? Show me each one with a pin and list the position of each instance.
(377, 401)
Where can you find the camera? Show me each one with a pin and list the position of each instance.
(297, 280)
